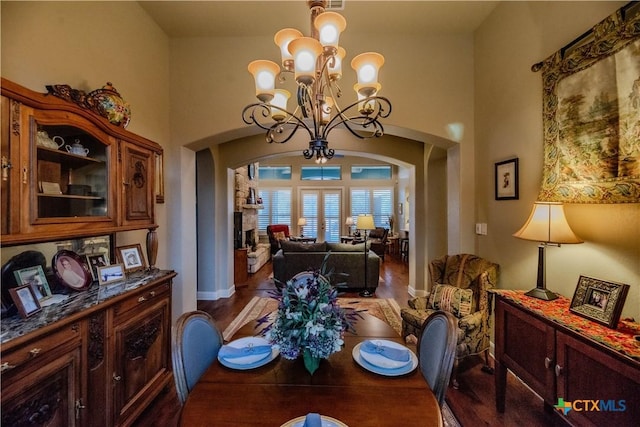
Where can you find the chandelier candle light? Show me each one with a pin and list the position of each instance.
(547, 225)
(316, 62)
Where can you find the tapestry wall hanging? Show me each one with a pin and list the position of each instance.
(591, 114)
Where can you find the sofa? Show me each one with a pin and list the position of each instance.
(345, 263)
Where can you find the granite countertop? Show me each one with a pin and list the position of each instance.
(15, 326)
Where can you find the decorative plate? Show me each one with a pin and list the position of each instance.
(384, 371)
(326, 422)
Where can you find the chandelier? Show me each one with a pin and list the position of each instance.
(316, 63)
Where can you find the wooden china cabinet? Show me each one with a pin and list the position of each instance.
(95, 359)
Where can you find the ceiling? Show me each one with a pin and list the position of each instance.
(257, 18)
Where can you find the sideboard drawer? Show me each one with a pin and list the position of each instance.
(38, 349)
(143, 299)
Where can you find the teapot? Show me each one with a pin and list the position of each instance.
(43, 140)
(77, 148)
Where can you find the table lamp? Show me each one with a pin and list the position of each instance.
(349, 224)
(365, 222)
(301, 223)
(547, 225)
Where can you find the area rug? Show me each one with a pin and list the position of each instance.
(385, 309)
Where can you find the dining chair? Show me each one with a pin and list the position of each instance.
(437, 351)
(195, 345)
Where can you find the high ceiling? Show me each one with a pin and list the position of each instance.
(256, 18)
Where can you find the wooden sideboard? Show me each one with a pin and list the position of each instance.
(546, 348)
(98, 358)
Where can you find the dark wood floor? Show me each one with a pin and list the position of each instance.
(473, 402)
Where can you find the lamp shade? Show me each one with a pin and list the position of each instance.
(547, 224)
(365, 222)
(349, 221)
(367, 66)
(264, 73)
(280, 98)
(282, 39)
(302, 221)
(305, 51)
(329, 26)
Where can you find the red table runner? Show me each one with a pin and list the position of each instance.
(621, 339)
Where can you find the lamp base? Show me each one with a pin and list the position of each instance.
(366, 293)
(541, 293)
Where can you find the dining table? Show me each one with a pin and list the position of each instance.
(341, 389)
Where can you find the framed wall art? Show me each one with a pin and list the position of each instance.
(506, 180)
(131, 257)
(591, 114)
(599, 300)
(25, 300)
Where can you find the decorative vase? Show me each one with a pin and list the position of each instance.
(310, 362)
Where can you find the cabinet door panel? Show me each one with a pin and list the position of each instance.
(46, 395)
(588, 374)
(138, 173)
(521, 331)
(142, 358)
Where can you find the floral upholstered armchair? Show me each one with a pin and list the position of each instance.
(459, 285)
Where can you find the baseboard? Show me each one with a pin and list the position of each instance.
(212, 296)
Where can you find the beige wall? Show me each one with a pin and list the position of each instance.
(509, 124)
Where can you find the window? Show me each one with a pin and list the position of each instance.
(275, 172)
(377, 202)
(277, 208)
(371, 172)
(320, 173)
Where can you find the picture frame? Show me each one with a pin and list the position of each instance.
(131, 257)
(111, 274)
(34, 277)
(72, 270)
(599, 300)
(97, 260)
(506, 180)
(25, 300)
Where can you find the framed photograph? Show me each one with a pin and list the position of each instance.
(25, 300)
(506, 180)
(72, 270)
(599, 300)
(97, 260)
(131, 257)
(34, 277)
(110, 274)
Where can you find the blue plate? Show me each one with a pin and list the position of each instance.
(389, 372)
(256, 364)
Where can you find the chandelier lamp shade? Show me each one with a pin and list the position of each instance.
(316, 65)
(548, 225)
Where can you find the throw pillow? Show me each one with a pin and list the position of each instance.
(279, 235)
(288, 246)
(452, 299)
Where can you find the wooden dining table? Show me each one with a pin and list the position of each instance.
(282, 390)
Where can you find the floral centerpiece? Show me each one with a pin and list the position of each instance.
(309, 321)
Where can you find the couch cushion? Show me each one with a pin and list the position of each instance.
(449, 298)
(345, 247)
(288, 246)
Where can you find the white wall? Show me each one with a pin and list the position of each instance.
(509, 124)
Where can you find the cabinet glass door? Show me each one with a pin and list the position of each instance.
(72, 173)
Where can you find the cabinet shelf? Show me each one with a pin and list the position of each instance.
(73, 160)
(70, 196)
